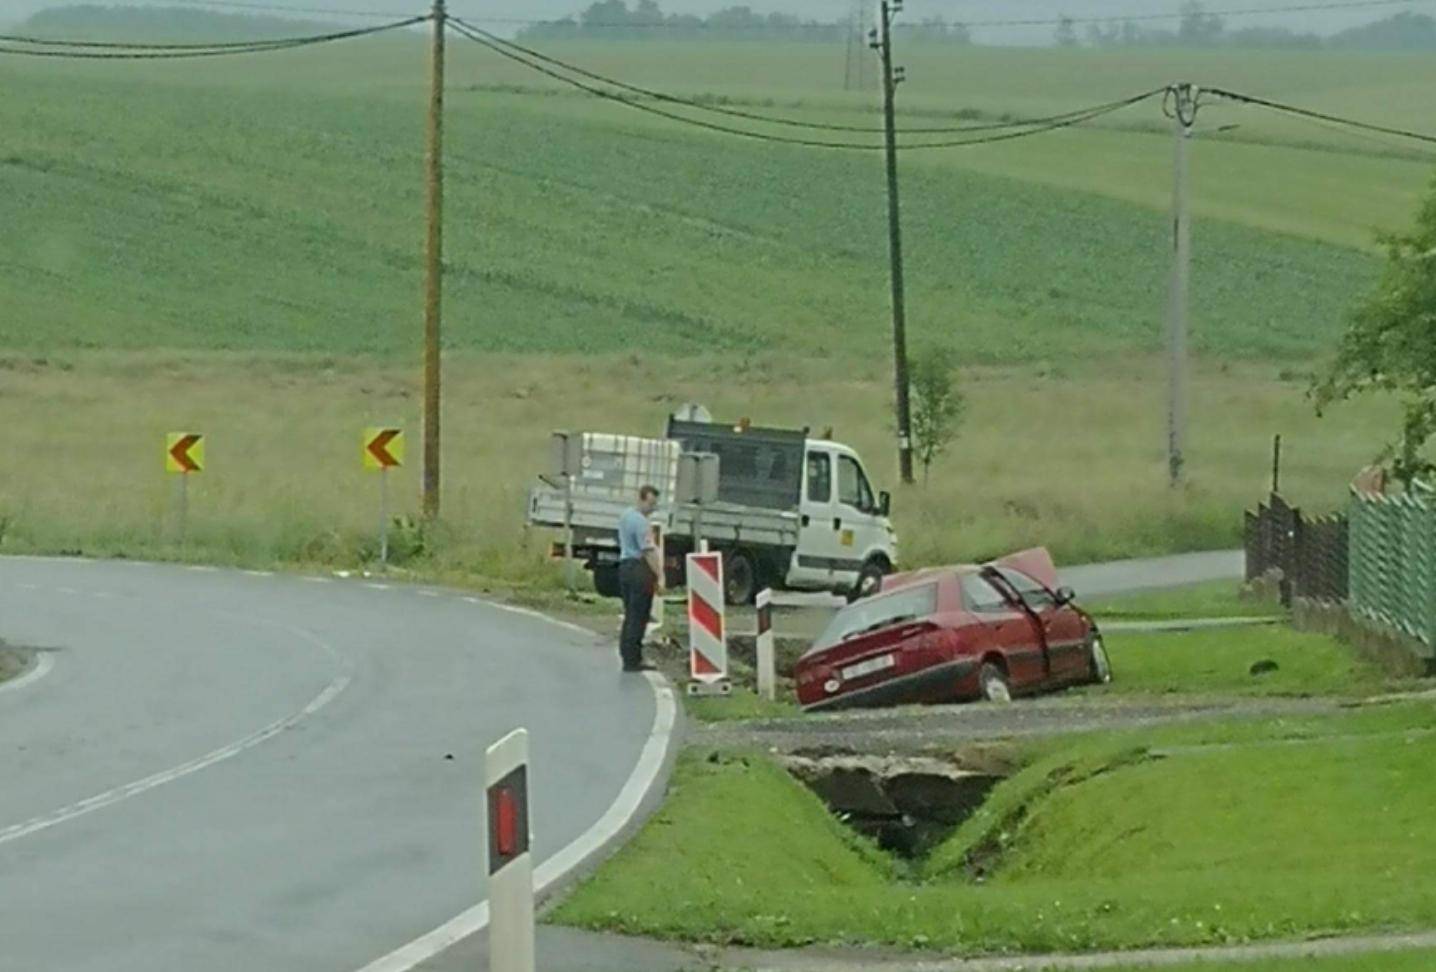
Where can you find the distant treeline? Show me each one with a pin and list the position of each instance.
(616, 20)
(613, 20)
(1198, 28)
(162, 24)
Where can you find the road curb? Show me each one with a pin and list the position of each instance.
(641, 794)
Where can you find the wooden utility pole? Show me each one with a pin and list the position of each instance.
(890, 82)
(434, 265)
(1183, 99)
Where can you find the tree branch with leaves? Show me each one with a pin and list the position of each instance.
(1390, 345)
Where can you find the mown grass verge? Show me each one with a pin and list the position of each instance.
(1416, 960)
(1214, 599)
(1253, 660)
(1181, 836)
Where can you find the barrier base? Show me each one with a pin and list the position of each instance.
(704, 689)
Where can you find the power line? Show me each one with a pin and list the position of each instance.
(283, 8)
(70, 48)
(1018, 22)
(1319, 116)
(1032, 128)
(759, 116)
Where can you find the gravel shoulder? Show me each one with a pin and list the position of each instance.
(916, 729)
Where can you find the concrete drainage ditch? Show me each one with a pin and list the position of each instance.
(907, 804)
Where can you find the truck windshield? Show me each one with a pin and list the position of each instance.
(875, 613)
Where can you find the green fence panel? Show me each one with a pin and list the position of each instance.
(1392, 567)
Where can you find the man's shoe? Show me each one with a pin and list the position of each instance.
(640, 667)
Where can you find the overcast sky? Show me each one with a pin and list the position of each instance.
(968, 10)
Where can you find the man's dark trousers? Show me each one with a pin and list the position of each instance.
(635, 584)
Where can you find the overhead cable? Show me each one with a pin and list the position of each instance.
(1032, 128)
(760, 116)
(136, 50)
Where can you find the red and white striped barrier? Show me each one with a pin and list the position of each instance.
(511, 872)
(707, 639)
(767, 664)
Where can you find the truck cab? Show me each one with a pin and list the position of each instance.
(845, 542)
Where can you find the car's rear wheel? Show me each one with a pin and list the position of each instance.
(1098, 667)
(992, 680)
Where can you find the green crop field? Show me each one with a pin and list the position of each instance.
(191, 236)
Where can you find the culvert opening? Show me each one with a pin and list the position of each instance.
(907, 804)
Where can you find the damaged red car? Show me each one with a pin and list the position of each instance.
(983, 631)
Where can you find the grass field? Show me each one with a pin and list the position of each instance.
(1215, 599)
(237, 248)
(1219, 661)
(284, 481)
(1098, 843)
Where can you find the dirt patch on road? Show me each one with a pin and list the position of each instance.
(14, 661)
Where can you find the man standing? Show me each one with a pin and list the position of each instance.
(640, 577)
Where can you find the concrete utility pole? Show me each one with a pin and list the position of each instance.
(1182, 99)
(433, 262)
(891, 79)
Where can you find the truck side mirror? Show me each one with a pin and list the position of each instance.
(885, 503)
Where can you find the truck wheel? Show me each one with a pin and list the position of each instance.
(740, 577)
(605, 581)
(870, 580)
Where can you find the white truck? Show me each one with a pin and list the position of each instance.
(792, 512)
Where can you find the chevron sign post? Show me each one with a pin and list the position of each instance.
(707, 639)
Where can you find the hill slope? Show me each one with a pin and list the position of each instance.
(161, 208)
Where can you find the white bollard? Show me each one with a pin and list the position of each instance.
(767, 664)
(511, 873)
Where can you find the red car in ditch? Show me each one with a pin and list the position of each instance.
(983, 631)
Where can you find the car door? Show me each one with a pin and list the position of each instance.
(855, 519)
(1010, 630)
(1063, 632)
(817, 542)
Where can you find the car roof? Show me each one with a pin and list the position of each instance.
(1035, 562)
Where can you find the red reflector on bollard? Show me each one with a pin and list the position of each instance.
(508, 824)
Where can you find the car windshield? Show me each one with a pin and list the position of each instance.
(874, 613)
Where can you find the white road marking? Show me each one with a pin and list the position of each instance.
(120, 793)
(102, 595)
(428, 593)
(66, 590)
(623, 810)
(378, 587)
(28, 587)
(43, 663)
(538, 615)
(202, 568)
(260, 573)
(317, 580)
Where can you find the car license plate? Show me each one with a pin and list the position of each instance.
(879, 664)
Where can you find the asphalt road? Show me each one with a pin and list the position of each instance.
(229, 771)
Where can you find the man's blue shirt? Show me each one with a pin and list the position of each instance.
(633, 536)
